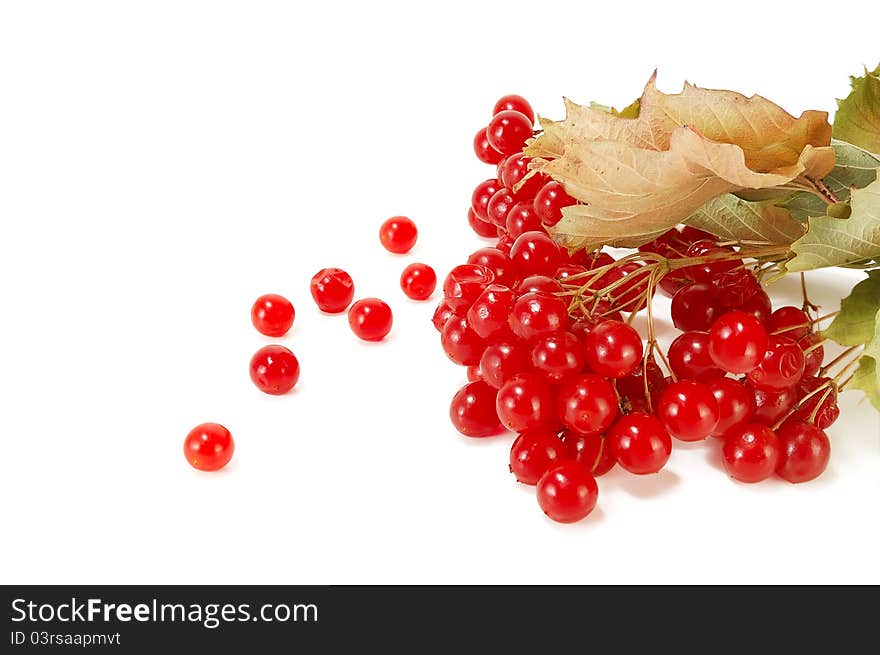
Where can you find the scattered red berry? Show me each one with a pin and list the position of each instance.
(274, 370)
(418, 281)
(272, 315)
(208, 447)
(370, 319)
(332, 290)
(398, 234)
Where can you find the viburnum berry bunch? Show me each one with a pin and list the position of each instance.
(543, 319)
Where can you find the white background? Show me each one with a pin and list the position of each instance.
(164, 163)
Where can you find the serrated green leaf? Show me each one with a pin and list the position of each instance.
(857, 321)
(858, 115)
(732, 218)
(867, 379)
(853, 168)
(838, 242)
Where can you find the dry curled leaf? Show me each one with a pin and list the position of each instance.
(652, 171)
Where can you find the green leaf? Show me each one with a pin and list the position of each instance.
(838, 242)
(867, 378)
(867, 375)
(853, 168)
(857, 321)
(732, 218)
(858, 115)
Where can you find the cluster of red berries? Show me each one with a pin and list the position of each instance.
(275, 370)
(550, 357)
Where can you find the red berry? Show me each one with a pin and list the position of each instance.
(533, 452)
(274, 370)
(442, 314)
(694, 307)
(497, 262)
(735, 287)
(485, 152)
(482, 228)
(804, 451)
(398, 234)
(737, 342)
(504, 244)
(751, 452)
(534, 314)
(272, 315)
(758, 306)
(591, 451)
(613, 349)
(480, 197)
(587, 404)
(557, 356)
(814, 353)
(499, 205)
(736, 404)
(828, 410)
(539, 284)
(770, 406)
(513, 170)
(508, 131)
(689, 357)
(464, 283)
(631, 388)
(489, 314)
(460, 343)
(708, 271)
(472, 411)
(535, 253)
(473, 374)
(631, 295)
(567, 492)
(567, 271)
(782, 366)
(522, 218)
(208, 447)
(524, 403)
(502, 361)
(332, 290)
(688, 410)
(640, 443)
(789, 322)
(370, 319)
(515, 103)
(550, 200)
(418, 281)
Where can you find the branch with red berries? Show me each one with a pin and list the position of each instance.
(716, 196)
